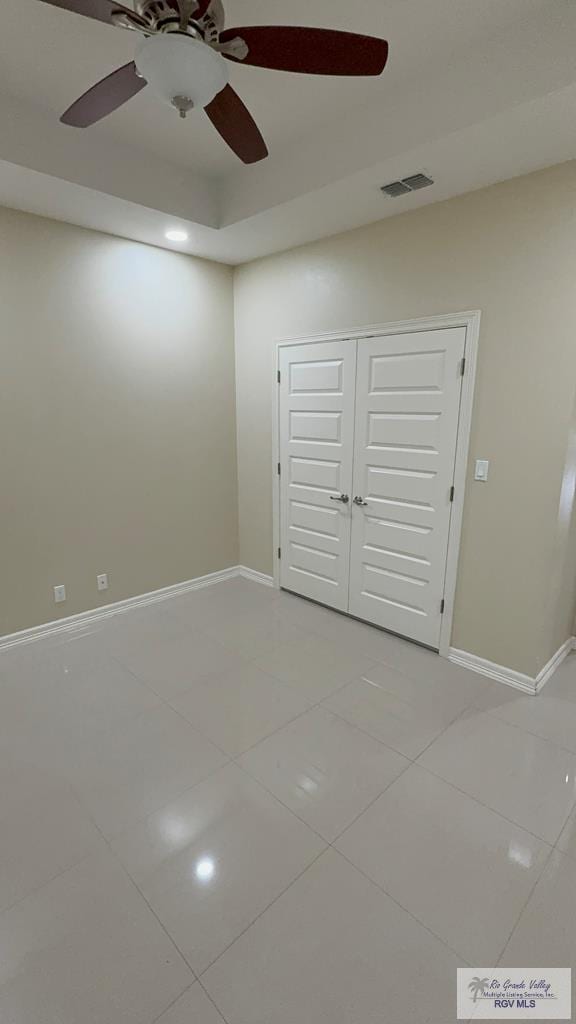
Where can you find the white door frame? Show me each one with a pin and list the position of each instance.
(471, 321)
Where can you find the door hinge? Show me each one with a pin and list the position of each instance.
(278, 376)
(442, 606)
(279, 469)
(452, 493)
(462, 366)
(279, 552)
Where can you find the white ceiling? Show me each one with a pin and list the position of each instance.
(475, 91)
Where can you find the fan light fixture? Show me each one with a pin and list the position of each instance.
(176, 235)
(182, 71)
(185, 54)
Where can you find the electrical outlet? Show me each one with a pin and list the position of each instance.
(102, 581)
(60, 594)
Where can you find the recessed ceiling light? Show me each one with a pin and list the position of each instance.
(177, 236)
(205, 869)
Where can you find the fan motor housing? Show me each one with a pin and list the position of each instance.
(159, 13)
(164, 16)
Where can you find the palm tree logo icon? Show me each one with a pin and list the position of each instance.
(478, 987)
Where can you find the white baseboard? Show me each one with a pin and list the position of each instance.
(489, 668)
(554, 663)
(256, 577)
(107, 611)
(502, 674)
(527, 684)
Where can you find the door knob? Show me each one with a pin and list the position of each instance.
(343, 498)
(359, 501)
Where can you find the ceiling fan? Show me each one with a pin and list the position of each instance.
(183, 57)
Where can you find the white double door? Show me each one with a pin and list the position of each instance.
(368, 436)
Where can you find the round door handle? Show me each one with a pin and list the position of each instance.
(344, 498)
(359, 501)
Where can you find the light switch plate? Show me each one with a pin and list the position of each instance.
(482, 467)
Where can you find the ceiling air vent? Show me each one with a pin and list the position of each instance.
(410, 184)
(395, 189)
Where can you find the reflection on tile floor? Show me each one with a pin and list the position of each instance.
(235, 807)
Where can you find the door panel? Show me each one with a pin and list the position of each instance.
(324, 427)
(407, 408)
(317, 388)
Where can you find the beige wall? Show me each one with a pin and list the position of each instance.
(510, 251)
(117, 412)
(117, 418)
(562, 607)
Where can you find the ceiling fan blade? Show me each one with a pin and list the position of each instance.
(100, 10)
(311, 51)
(232, 119)
(201, 9)
(104, 97)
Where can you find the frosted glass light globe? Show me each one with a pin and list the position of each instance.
(178, 66)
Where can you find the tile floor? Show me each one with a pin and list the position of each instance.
(235, 807)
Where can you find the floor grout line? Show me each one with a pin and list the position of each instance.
(114, 855)
(549, 854)
(395, 750)
(174, 1001)
(93, 851)
(487, 807)
(368, 806)
(398, 904)
(312, 707)
(198, 976)
(176, 796)
(263, 911)
(155, 915)
(279, 800)
(211, 998)
(331, 844)
(528, 732)
(108, 841)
